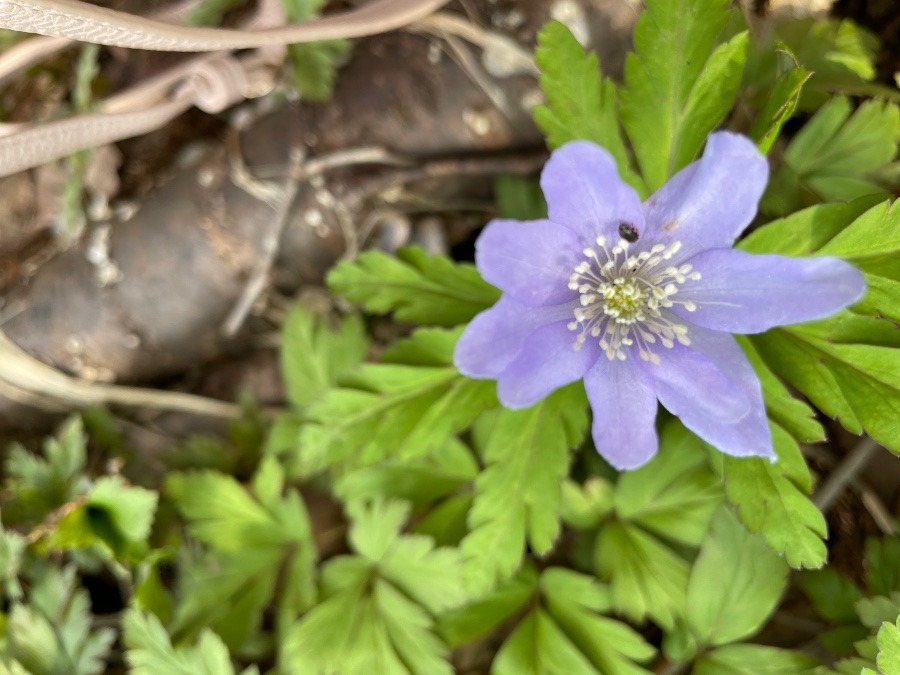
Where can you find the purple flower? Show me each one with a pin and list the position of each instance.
(639, 299)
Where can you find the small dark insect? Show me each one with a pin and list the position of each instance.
(628, 232)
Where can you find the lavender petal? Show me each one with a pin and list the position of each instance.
(740, 292)
(546, 362)
(531, 260)
(624, 406)
(711, 201)
(584, 193)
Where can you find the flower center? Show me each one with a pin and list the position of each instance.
(622, 298)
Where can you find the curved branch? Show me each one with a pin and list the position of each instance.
(79, 21)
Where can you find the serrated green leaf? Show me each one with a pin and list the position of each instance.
(779, 107)
(12, 546)
(52, 635)
(313, 64)
(256, 542)
(735, 583)
(517, 496)
(771, 499)
(585, 506)
(889, 647)
(378, 607)
(414, 286)
(851, 380)
(754, 660)
(489, 610)
(845, 365)
(565, 633)
(646, 577)
(394, 410)
(677, 86)
(42, 484)
(840, 54)
(129, 509)
(420, 481)
(150, 650)
(314, 355)
(836, 156)
(581, 105)
(314, 67)
(675, 495)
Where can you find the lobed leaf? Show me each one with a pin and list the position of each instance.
(735, 584)
(581, 105)
(678, 86)
(414, 286)
(771, 498)
(314, 355)
(517, 495)
(836, 156)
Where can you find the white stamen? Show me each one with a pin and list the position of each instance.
(624, 298)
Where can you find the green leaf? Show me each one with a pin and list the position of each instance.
(840, 54)
(12, 547)
(783, 408)
(150, 650)
(43, 484)
(419, 481)
(647, 578)
(889, 647)
(378, 607)
(517, 495)
(873, 612)
(882, 565)
(489, 610)
(844, 364)
(255, 541)
(832, 594)
(754, 660)
(566, 633)
(677, 86)
(398, 410)
(314, 355)
(669, 501)
(414, 286)
(314, 65)
(779, 107)
(581, 105)
(519, 198)
(735, 584)
(52, 634)
(129, 509)
(585, 506)
(675, 495)
(848, 366)
(772, 499)
(836, 156)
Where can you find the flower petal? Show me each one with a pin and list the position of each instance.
(584, 192)
(624, 406)
(710, 202)
(547, 361)
(713, 388)
(739, 292)
(493, 339)
(530, 260)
